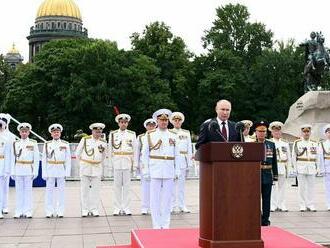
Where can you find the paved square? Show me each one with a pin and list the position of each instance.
(74, 231)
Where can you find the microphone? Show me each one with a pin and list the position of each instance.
(239, 127)
(213, 125)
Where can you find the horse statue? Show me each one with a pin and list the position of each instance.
(317, 61)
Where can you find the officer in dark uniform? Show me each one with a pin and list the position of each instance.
(268, 170)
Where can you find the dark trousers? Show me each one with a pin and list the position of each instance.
(266, 190)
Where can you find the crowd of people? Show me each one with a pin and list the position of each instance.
(162, 157)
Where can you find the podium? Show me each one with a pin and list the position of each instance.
(230, 195)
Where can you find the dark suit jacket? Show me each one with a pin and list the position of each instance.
(210, 131)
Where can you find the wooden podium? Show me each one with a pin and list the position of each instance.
(230, 195)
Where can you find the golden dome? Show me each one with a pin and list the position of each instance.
(59, 8)
(13, 49)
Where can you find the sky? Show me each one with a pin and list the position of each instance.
(117, 20)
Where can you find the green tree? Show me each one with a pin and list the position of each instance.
(276, 82)
(233, 31)
(242, 64)
(173, 59)
(77, 82)
(6, 73)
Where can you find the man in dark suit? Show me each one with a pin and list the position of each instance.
(219, 129)
(269, 172)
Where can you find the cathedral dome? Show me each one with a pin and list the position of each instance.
(67, 8)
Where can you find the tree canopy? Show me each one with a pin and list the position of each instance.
(79, 81)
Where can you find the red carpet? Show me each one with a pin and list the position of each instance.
(117, 246)
(273, 237)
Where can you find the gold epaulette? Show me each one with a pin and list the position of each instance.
(171, 131)
(141, 135)
(130, 131)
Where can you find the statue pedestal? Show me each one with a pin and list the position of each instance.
(312, 108)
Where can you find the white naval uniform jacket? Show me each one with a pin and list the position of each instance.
(183, 142)
(324, 154)
(25, 158)
(160, 154)
(56, 159)
(284, 162)
(140, 140)
(304, 157)
(5, 156)
(91, 153)
(123, 149)
(248, 138)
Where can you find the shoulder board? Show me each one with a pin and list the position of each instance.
(114, 131)
(48, 141)
(33, 140)
(314, 141)
(297, 140)
(151, 131)
(284, 140)
(185, 130)
(65, 142)
(132, 132)
(141, 135)
(171, 131)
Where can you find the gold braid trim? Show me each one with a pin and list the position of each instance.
(278, 153)
(49, 156)
(296, 150)
(85, 148)
(19, 153)
(113, 142)
(140, 141)
(153, 147)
